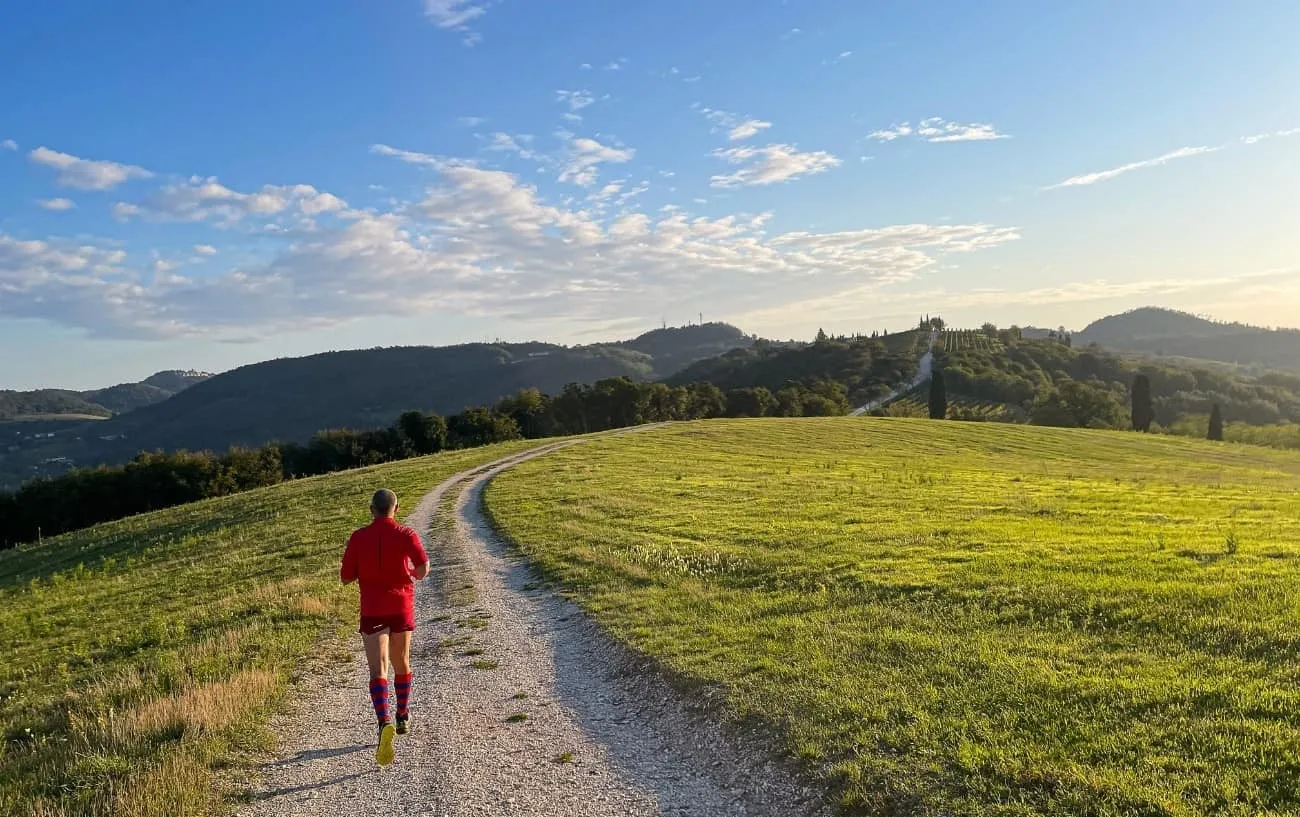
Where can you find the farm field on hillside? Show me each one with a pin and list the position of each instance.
(139, 654)
(956, 340)
(955, 618)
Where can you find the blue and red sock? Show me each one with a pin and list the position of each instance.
(379, 697)
(402, 686)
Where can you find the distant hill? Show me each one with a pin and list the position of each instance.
(1169, 333)
(290, 399)
(119, 399)
(19, 405)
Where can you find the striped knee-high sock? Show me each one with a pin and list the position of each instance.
(379, 697)
(402, 685)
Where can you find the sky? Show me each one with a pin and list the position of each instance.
(206, 185)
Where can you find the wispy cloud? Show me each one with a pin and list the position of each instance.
(1260, 137)
(470, 121)
(738, 129)
(199, 199)
(505, 143)
(454, 15)
(8, 144)
(746, 129)
(205, 249)
(585, 156)
(576, 100)
(409, 156)
(770, 165)
(616, 65)
(57, 204)
(87, 174)
(1103, 175)
(938, 129)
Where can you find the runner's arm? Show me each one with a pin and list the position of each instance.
(348, 568)
(419, 559)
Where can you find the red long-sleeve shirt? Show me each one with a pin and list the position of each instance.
(380, 557)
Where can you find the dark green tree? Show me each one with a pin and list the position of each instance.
(821, 336)
(751, 402)
(938, 397)
(427, 432)
(1143, 410)
(1216, 424)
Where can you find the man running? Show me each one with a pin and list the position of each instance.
(385, 558)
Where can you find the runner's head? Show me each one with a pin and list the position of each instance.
(383, 503)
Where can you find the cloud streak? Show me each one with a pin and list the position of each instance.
(937, 129)
(1104, 175)
(771, 165)
(87, 174)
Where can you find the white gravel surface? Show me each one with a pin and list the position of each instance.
(633, 745)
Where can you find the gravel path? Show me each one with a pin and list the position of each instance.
(602, 736)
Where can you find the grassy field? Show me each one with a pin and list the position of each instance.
(142, 655)
(1283, 435)
(955, 618)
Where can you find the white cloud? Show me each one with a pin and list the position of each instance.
(57, 204)
(453, 14)
(87, 174)
(1259, 137)
(584, 157)
(576, 100)
(205, 249)
(201, 199)
(479, 242)
(746, 129)
(470, 121)
(410, 157)
(937, 129)
(8, 144)
(771, 164)
(123, 211)
(1103, 175)
(616, 65)
(505, 143)
(737, 129)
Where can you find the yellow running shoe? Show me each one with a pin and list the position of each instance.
(384, 752)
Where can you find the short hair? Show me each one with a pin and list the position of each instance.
(383, 501)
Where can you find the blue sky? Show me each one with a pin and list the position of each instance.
(206, 185)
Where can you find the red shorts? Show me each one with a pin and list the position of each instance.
(403, 623)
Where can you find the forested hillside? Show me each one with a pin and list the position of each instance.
(1053, 381)
(866, 368)
(1167, 333)
(290, 399)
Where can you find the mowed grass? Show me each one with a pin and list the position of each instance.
(955, 618)
(141, 655)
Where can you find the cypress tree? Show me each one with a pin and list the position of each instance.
(938, 397)
(1216, 424)
(1143, 412)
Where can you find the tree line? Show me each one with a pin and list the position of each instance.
(155, 480)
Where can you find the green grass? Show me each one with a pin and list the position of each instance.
(1282, 435)
(955, 618)
(139, 655)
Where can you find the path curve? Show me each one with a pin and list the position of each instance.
(603, 736)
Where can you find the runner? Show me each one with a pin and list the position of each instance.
(385, 558)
